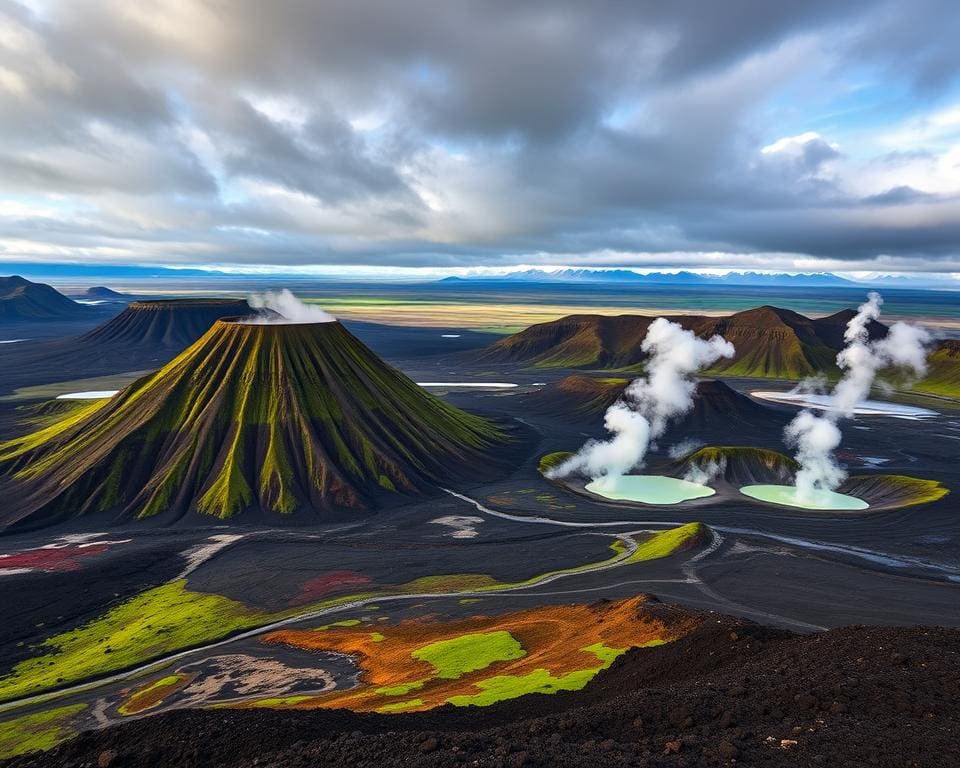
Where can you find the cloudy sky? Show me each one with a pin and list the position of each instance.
(489, 133)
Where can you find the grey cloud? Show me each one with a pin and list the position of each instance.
(498, 130)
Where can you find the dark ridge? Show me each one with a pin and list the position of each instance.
(577, 395)
(729, 692)
(718, 405)
(174, 323)
(21, 299)
(770, 342)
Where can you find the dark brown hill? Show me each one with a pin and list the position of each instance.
(21, 299)
(174, 323)
(266, 419)
(770, 342)
(717, 405)
(576, 396)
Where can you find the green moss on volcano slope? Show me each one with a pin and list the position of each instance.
(893, 491)
(943, 372)
(739, 464)
(269, 417)
(550, 460)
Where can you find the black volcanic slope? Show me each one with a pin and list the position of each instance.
(577, 395)
(169, 323)
(251, 418)
(715, 404)
(770, 342)
(22, 300)
(730, 693)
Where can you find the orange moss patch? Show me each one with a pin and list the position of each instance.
(153, 694)
(565, 645)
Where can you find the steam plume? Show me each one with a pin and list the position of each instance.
(649, 403)
(816, 437)
(286, 308)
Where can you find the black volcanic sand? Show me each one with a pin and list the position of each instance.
(731, 692)
(798, 570)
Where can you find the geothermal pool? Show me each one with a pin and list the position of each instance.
(787, 495)
(649, 489)
(864, 408)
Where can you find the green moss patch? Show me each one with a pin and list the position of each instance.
(37, 731)
(891, 491)
(156, 622)
(399, 706)
(456, 657)
(551, 460)
(669, 542)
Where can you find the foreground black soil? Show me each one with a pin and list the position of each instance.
(731, 692)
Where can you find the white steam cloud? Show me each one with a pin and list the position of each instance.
(649, 403)
(816, 437)
(285, 309)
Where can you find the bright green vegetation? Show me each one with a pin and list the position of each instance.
(344, 623)
(943, 371)
(280, 701)
(402, 689)
(502, 687)
(155, 622)
(649, 489)
(399, 706)
(818, 499)
(377, 637)
(550, 460)
(895, 490)
(37, 731)
(669, 542)
(456, 657)
(272, 417)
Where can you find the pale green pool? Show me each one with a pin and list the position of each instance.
(649, 489)
(787, 495)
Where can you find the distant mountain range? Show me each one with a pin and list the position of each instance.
(628, 276)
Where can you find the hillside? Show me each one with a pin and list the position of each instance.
(173, 323)
(576, 395)
(22, 300)
(770, 342)
(253, 418)
(943, 375)
(715, 403)
(730, 693)
(102, 293)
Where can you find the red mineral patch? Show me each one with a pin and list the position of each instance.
(329, 583)
(66, 558)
